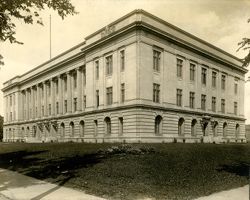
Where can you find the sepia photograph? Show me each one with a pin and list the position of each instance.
(124, 99)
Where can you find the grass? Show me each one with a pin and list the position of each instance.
(171, 171)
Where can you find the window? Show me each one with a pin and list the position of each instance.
(84, 75)
(214, 78)
(191, 99)
(179, 97)
(95, 127)
(10, 116)
(75, 79)
(215, 128)
(156, 93)
(65, 106)
(82, 128)
(179, 67)
(14, 103)
(158, 121)
(235, 108)
(203, 102)
(120, 125)
(204, 76)
(97, 70)
(214, 104)
(223, 103)
(235, 87)
(85, 101)
(122, 93)
(109, 93)
(223, 82)
(10, 100)
(57, 108)
(156, 59)
(49, 90)
(122, 60)
(108, 125)
(57, 88)
(75, 104)
(72, 129)
(109, 65)
(97, 98)
(65, 83)
(181, 126)
(193, 127)
(49, 109)
(237, 130)
(192, 72)
(224, 129)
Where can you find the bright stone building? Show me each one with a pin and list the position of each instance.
(139, 79)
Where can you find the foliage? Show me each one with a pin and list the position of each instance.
(27, 11)
(245, 45)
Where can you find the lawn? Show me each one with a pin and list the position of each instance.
(113, 171)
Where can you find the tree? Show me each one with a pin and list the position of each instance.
(1, 128)
(245, 45)
(27, 11)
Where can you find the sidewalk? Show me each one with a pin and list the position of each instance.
(241, 193)
(16, 186)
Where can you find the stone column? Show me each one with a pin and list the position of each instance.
(31, 103)
(45, 88)
(27, 104)
(38, 101)
(69, 92)
(79, 89)
(52, 97)
(60, 93)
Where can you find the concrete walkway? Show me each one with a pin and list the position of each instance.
(241, 193)
(16, 186)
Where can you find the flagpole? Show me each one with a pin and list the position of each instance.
(50, 36)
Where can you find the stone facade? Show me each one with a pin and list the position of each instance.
(139, 79)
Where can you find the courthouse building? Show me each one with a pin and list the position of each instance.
(138, 79)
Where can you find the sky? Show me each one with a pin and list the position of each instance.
(222, 23)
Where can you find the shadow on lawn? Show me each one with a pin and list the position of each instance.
(240, 169)
(58, 170)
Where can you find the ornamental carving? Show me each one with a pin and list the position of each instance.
(108, 30)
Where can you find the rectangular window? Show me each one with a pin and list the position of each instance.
(49, 109)
(235, 87)
(179, 67)
(109, 94)
(57, 108)
(156, 60)
(75, 80)
(65, 106)
(84, 75)
(57, 88)
(204, 76)
(235, 108)
(214, 78)
(122, 60)
(97, 98)
(10, 116)
(214, 104)
(97, 69)
(203, 102)
(10, 100)
(109, 65)
(65, 83)
(156, 93)
(85, 101)
(75, 104)
(122, 93)
(223, 82)
(179, 97)
(192, 72)
(191, 99)
(223, 105)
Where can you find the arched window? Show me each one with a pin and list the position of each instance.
(158, 129)
(237, 130)
(204, 128)
(22, 133)
(72, 129)
(108, 125)
(224, 129)
(193, 127)
(120, 125)
(62, 130)
(28, 131)
(215, 127)
(181, 124)
(82, 127)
